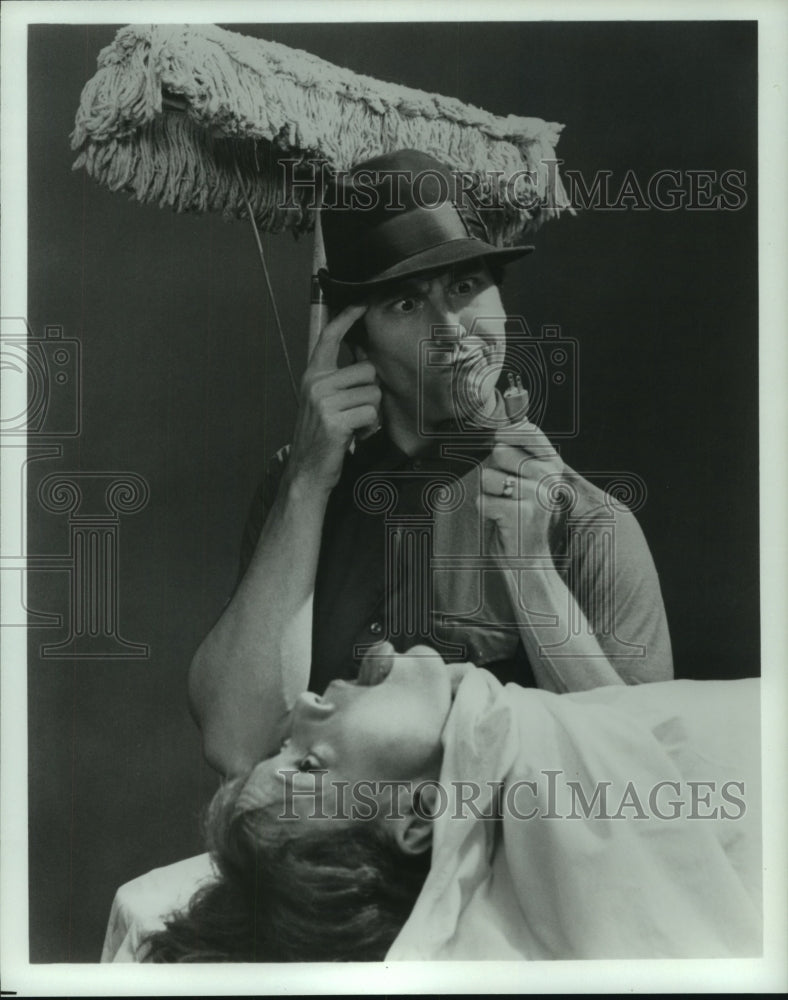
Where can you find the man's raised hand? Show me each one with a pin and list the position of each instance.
(336, 403)
(521, 460)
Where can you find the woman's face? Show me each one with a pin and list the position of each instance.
(359, 732)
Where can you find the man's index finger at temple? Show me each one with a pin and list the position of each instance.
(326, 353)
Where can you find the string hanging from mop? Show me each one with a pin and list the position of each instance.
(270, 288)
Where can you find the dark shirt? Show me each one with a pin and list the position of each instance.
(405, 557)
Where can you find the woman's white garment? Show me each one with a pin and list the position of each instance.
(140, 906)
(565, 888)
(622, 883)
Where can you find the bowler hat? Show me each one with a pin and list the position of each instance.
(396, 215)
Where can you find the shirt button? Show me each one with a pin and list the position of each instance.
(376, 628)
(417, 463)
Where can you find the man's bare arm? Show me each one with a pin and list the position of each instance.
(256, 660)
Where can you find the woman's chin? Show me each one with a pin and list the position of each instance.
(426, 671)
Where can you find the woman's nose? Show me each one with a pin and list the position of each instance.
(311, 705)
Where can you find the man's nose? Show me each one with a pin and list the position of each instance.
(447, 323)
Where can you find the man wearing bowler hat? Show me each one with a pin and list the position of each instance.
(413, 505)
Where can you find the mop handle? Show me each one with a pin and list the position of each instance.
(318, 308)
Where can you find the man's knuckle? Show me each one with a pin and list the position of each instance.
(323, 407)
(315, 391)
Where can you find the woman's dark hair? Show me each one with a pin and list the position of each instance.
(288, 892)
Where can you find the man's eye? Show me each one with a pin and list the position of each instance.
(403, 306)
(465, 286)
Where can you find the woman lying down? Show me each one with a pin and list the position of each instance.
(428, 812)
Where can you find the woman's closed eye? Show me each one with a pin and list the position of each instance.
(306, 762)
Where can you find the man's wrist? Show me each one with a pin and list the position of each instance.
(302, 490)
(544, 582)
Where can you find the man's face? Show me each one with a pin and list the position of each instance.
(460, 314)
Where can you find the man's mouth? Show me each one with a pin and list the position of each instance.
(458, 356)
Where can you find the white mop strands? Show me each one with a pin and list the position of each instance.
(254, 102)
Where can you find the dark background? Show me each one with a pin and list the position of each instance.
(183, 385)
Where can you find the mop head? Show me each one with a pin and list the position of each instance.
(183, 114)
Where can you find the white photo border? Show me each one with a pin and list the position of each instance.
(767, 974)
